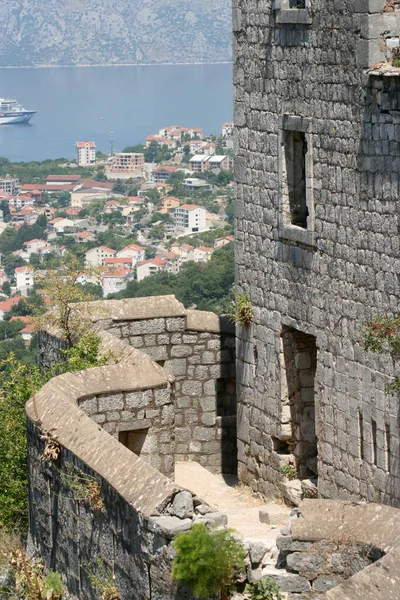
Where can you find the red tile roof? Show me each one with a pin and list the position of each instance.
(8, 304)
(189, 206)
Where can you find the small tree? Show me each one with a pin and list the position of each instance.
(207, 561)
(63, 289)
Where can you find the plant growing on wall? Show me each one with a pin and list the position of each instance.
(103, 580)
(240, 310)
(207, 561)
(26, 578)
(289, 471)
(264, 589)
(84, 488)
(383, 336)
(19, 383)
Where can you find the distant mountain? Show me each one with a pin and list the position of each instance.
(97, 32)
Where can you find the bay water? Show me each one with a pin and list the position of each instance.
(86, 103)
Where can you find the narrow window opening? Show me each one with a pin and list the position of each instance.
(360, 436)
(295, 209)
(134, 440)
(297, 3)
(374, 446)
(387, 446)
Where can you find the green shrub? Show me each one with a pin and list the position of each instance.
(264, 589)
(289, 471)
(53, 583)
(207, 561)
(240, 310)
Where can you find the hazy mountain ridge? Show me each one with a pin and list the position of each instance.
(68, 32)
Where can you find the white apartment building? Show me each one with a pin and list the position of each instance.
(132, 251)
(149, 267)
(24, 278)
(116, 280)
(190, 218)
(85, 153)
(227, 129)
(96, 256)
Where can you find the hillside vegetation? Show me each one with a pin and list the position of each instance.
(71, 32)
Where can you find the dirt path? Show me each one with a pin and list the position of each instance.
(241, 507)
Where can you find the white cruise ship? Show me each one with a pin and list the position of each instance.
(12, 112)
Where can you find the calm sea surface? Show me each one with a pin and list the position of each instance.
(86, 103)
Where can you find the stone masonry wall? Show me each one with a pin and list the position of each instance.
(141, 420)
(302, 70)
(199, 350)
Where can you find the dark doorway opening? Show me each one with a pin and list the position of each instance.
(300, 362)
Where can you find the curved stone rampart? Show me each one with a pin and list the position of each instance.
(102, 417)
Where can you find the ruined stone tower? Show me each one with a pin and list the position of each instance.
(317, 113)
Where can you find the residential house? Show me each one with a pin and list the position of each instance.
(27, 331)
(60, 225)
(190, 218)
(118, 262)
(227, 129)
(199, 163)
(133, 251)
(149, 267)
(116, 280)
(160, 141)
(169, 204)
(96, 256)
(221, 162)
(186, 252)
(24, 278)
(174, 262)
(223, 241)
(32, 246)
(112, 206)
(7, 305)
(202, 254)
(85, 236)
(161, 174)
(192, 184)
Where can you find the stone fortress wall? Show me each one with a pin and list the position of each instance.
(123, 426)
(107, 499)
(317, 245)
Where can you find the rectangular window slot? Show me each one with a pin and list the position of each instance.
(295, 210)
(374, 446)
(387, 446)
(360, 436)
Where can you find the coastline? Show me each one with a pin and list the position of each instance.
(168, 64)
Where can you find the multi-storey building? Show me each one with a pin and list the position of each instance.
(190, 218)
(126, 165)
(9, 186)
(85, 153)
